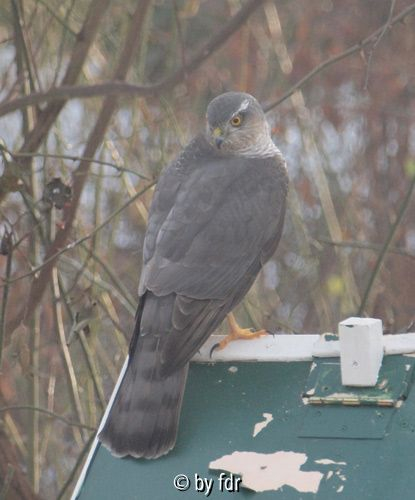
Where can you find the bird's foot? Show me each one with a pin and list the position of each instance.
(237, 333)
(241, 334)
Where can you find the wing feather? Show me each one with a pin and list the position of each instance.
(213, 223)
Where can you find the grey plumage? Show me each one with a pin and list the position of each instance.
(216, 218)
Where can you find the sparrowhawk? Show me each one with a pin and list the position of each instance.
(215, 219)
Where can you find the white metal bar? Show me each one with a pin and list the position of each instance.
(94, 445)
(292, 348)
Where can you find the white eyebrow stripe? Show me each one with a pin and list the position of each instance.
(242, 107)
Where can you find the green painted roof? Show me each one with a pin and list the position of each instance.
(222, 406)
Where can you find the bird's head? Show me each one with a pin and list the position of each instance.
(236, 124)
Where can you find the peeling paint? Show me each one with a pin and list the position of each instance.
(327, 461)
(341, 395)
(261, 425)
(270, 471)
(383, 384)
(233, 369)
(341, 476)
(340, 488)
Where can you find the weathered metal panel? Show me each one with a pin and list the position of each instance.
(222, 406)
(346, 422)
(324, 384)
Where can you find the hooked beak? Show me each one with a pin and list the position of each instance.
(217, 134)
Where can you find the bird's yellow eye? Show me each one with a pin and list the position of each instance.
(236, 121)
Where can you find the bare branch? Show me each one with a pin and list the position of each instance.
(39, 285)
(6, 242)
(386, 245)
(76, 466)
(57, 18)
(114, 88)
(70, 246)
(410, 10)
(386, 26)
(66, 92)
(363, 245)
(49, 413)
(85, 38)
(76, 158)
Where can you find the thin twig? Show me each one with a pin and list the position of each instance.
(365, 246)
(7, 238)
(74, 158)
(319, 300)
(386, 26)
(311, 146)
(103, 354)
(34, 398)
(334, 59)
(26, 65)
(16, 435)
(77, 242)
(86, 350)
(60, 52)
(96, 379)
(179, 33)
(122, 289)
(80, 175)
(146, 31)
(49, 413)
(7, 482)
(72, 381)
(102, 304)
(52, 12)
(85, 38)
(65, 92)
(386, 246)
(80, 459)
(118, 335)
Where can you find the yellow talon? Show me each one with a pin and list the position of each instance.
(236, 332)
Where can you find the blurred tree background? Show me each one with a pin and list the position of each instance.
(96, 97)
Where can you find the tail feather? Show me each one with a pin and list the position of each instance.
(144, 418)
